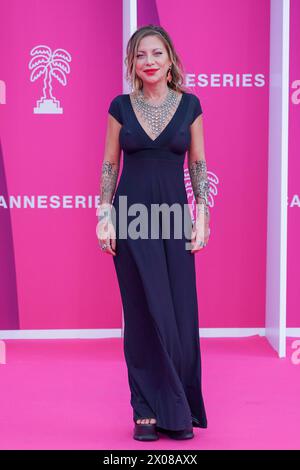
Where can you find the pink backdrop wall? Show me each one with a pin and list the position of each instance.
(293, 268)
(216, 38)
(52, 272)
(62, 278)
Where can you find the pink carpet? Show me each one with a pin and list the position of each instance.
(73, 394)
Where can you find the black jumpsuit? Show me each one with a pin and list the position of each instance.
(157, 277)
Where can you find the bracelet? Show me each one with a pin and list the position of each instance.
(103, 211)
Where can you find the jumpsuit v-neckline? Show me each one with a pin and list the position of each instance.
(164, 129)
(156, 276)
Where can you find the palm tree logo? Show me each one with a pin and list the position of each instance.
(50, 64)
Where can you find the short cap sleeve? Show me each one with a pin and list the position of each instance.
(196, 108)
(115, 109)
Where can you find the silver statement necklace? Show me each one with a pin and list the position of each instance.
(156, 115)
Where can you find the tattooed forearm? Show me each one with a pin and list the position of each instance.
(109, 178)
(199, 180)
(200, 184)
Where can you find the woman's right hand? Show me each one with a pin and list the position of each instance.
(106, 234)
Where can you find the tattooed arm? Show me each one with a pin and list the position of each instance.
(198, 173)
(200, 184)
(110, 166)
(109, 177)
(108, 182)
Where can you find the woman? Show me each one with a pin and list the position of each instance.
(154, 126)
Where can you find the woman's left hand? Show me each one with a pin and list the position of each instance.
(200, 230)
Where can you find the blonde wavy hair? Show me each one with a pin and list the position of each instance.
(177, 72)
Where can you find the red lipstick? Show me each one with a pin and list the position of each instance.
(151, 71)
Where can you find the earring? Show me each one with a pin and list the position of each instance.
(169, 76)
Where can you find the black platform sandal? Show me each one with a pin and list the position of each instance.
(145, 432)
(182, 434)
